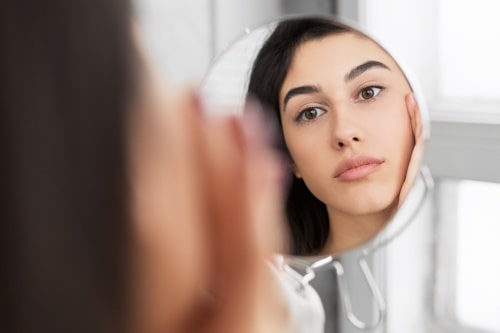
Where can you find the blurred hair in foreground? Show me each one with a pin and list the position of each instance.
(65, 83)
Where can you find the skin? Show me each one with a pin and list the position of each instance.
(345, 113)
(201, 191)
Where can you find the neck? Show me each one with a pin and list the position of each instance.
(348, 231)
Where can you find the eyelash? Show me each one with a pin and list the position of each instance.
(300, 115)
(358, 95)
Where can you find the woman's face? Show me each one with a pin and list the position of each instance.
(346, 125)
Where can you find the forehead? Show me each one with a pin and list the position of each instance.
(336, 55)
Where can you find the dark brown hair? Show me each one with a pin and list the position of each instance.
(307, 216)
(66, 74)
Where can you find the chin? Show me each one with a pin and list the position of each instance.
(373, 205)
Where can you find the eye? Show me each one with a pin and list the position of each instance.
(369, 93)
(310, 114)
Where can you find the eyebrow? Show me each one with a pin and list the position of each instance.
(351, 75)
(358, 70)
(300, 91)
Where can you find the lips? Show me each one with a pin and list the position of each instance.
(357, 167)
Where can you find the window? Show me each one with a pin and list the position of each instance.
(477, 266)
(466, 292)
(468, 49)
(452, 47)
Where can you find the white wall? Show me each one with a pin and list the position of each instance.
(178, 36)
(184, 36)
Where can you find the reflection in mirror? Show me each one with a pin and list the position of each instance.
(346, 114)
(350, 125)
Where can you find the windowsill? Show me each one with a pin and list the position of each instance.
(472, 111)
(465, 140)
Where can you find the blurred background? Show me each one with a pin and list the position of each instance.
(441, 275)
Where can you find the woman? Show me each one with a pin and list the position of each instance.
(118, 206)
(350, 126)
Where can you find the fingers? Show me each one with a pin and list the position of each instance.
(418, 149)
(415, 117)
(266, 177)
(235, 253)
(224, 194)
(245, 199)
(265, 174)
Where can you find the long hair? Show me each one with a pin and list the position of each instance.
(66, 75)
(307, 216)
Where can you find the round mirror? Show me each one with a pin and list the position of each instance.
(351, 122)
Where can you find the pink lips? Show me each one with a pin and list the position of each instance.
(357, 167)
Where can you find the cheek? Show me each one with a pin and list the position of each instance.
(390, 128)
(307, 147)
(398, 135)
(313, 159)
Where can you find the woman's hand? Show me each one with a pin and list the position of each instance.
(208, 195)
(244, 198)
(418, 149)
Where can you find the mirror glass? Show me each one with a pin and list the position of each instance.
(350, 122)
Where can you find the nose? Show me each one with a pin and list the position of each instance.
(345, 130)
(341, 143)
